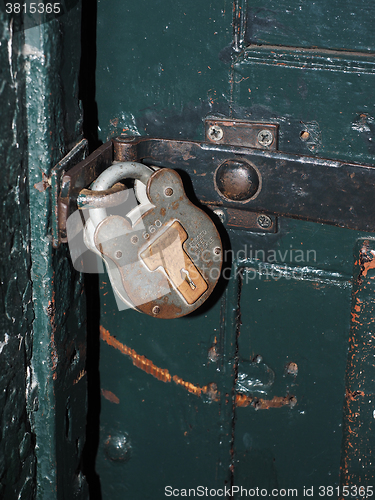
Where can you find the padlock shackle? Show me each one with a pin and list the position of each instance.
(113, 174)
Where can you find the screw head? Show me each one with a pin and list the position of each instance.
(134, 239)
(217, 250)
(264, 221)
(156, 310)
(168, 191)
(118, 254)
(265, 137)
(215, 133)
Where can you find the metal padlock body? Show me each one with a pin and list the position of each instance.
(158, 279)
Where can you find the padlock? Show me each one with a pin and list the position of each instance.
(164, 257)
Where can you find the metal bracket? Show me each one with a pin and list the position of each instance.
(242, 133)
(69, 177)
(247, 182)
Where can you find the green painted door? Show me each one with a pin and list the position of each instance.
(42, 320)
(269, 387)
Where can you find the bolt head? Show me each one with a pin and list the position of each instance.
(265, 138)
(156, 310)
(134, 239)
(215, 133)
(168, 191)
(237, 180)
(118, 254)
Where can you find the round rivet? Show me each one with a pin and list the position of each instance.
(168, 191)
(134, 239)
(118, 254)
(265, 138)
(217, 250)
(237, 180)
(156, 310)
(215, 133)
(264, 221)
(118, 448)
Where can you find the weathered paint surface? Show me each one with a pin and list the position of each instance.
(42, 338)
(357, 464)
(59, 341)
(17, 439)
(287, 305)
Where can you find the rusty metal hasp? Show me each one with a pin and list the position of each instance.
(162, 252)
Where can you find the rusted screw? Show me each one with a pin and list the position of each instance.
(118, 254)
(217, 250)
(168, 191)
(292, 368)
(265, 137)
(304, 136)
(134, 239)
(156, 310)
(264, 221)
(215, 133)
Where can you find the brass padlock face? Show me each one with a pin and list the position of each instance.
(170, 260)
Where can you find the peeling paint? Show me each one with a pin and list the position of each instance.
(265, 404)
(32, 52)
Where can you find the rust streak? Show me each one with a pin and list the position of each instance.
(264, 404)
(110, 396)
(210, 390)
(193, 389)
(139, 361)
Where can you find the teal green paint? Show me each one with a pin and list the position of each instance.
(53, 127)
(163, 419)
(17, 458)
(305, 322)
(342, 25)
(301, 309)
(156, 89)
(169, 76)
(41, 252)
(163, 62)
(358, 428)
(327, 89)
